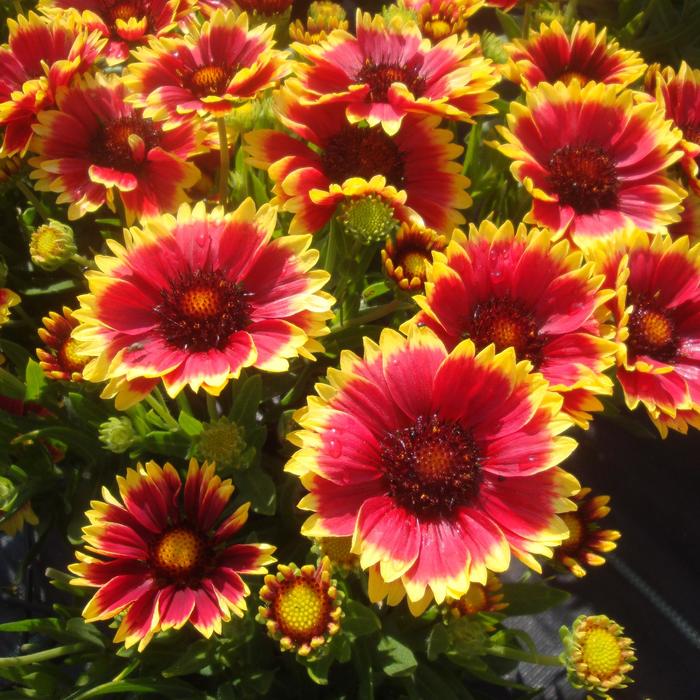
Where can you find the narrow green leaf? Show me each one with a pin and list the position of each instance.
(397, 658)
(531, 598)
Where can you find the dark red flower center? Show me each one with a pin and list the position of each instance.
(380, 76)
(209, 80)
(651, 331)
(112, 148)
(301, 609)
(584, 177)
(202, 310)
(506, 322)
(431, 467)
(179, 555)
(362, 152)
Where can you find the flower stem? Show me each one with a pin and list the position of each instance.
(211, 407)
(28, 192)
(526, 656)
(156, 401)
(223, 161)
(39, 656)
(527, 17)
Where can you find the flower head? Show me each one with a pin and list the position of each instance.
(438, 19)
(689, 224)
(312, 180)
(657, 316)
(222, 442)
(194, 299)
(516, 288)
(407, 255)
(388, 70)
(437, 464)
(552, 55)
(368, 219)
(480, 597)
(586, 541)
(95, 146)
(117, 434)
(166, 556)
(125, 23)
(597, 656)
(62, 358)
(207, 71)
(12, 524)
(338, 551)
(41, 56)
(52, 245)
(8, 299)
(301, 606)
(679, 95)
(323, 17)
(593, 160)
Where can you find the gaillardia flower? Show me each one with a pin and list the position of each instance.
(515, 288)
(207, 71)
(389, 70)
(597, 656)
(593, 160)
(194, 299)
(61, 359)
(406, 256)
(439, 465)
(96, 147)
(41, 55)
(312, 180)
(52, 245)
(679, 94)
(166, 556)
(586, 542)
(657, 314)
(485, 597)
(12, 524)
(438, 19)
(689, 224)
(301, 606)
(323, 17)
(126, 22)
(8, 299)
(552, 55)
(338, 550)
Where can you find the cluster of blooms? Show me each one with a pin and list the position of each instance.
(434, 457)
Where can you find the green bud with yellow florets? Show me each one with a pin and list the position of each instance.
(52, 245)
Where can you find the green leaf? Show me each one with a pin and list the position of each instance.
(17, 355)
(359, 620)
(246, 401)
(531, 598)
(257, 486)
(63, 286)
(194, 658)
(189, 424)
(168, 689)
(166, 442)
(396, 658)
(10, 386)
(438, 641)
(42, 625)
(77, 440)
(508, 24)
(373, 291)
(35, 380)
(85, 409)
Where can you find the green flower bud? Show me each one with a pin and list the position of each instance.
(492, 46)
(117, 434)
(222, 442)
(369, 219)
(52, 245)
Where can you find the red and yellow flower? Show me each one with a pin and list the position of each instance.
(552, 55)
(516, 288)
(41, 55)
(208, 71)
(96, 147)
(126, 23)
(312, 180)
(165, 553)
(195, 299)
(689, 224)
(388, 70)
(593, 160)
(62, 358)
(586, 542)
(8, 299)
(438, 464)
(406, 256)
(657, 314)
(323, 17)
(301, 606)
(679, 94)
(486, 598)
(438, 19)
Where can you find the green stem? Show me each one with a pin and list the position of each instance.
(126, 671)
(224, 164)
(39, 656)
(156, 401)
(526, 656)
(570, 12)
(28, 192)
(18, 7)
(373, 314)
(527, 17)
(184, 403)
(211, 407)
